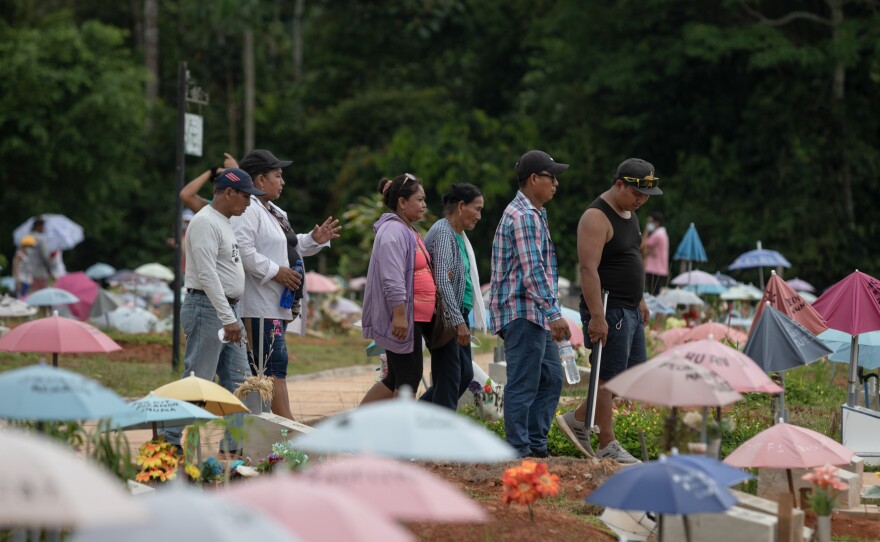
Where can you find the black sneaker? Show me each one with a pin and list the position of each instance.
(539, 454)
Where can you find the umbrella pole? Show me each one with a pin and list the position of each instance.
(791, 487)
(687, 528)
(660, 528)
(704, 430)
(155, 430)
(853, 396)
(260, 361)
(54, 359)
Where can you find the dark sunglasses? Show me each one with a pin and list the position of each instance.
(548, 175)
(647, 182)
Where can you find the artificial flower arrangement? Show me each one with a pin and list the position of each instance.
(826, 488)
(157, 460)
(693, 420)
(488, 399)
(282, 452)
(528, 483)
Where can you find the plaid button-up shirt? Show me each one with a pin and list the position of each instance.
(524, 274)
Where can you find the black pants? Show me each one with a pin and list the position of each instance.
(452, 371)
(406, 369)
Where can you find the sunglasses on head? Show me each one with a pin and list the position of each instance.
(647, 182)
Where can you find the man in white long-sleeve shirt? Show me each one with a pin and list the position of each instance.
(214, 282)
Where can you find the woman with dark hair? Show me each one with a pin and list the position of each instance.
(455, 273)
(399, 295)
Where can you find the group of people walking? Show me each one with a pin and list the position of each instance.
(242, 253)
(407, 273)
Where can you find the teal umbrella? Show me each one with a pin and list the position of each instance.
(690, 248)
(152, 410)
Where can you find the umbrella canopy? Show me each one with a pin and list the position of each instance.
(51, 296)
(673, 382)
(696, 278)
(57, 335)
(104, 302)
(61, 233)
(152, 410)
(406, 429)
(778, 343)
(155, 271)
(655, 306)
(317, 283)
(663, 487)
(691, 247)
(841, 343)
(180, 513)
(725, 280)
(759, 258)
(852, 305)
(808, 297)
(677, 296)
(399, 490)
(43, 393)
(724, 475)
(715, 330)
(80, 285)
(48, 485)
(317, 513)
(740, 371)
(99, 271)
(15, 308)
(781, 297)
(672, 337)
(574, 325)
(742, 292)
(786, 446)
(123, 275)
(345, 306)
(799, 285)
(217, 399)
(132, 320)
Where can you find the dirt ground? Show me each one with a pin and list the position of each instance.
(145, 353)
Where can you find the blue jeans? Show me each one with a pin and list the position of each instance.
(534, 383)
(206, 356)
(452, 371)
(625, 346)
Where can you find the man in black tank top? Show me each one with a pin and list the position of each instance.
(609, 238)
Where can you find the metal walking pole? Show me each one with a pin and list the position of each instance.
(593, 391)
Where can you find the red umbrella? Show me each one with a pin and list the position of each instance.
(784, 299)
(57, 335)
(852, 306)
(80, 285)
(786, 446)
(317, 283)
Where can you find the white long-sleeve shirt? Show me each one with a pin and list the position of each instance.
(213, 261)
(263, 250)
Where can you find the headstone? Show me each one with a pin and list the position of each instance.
(264, 429)
(772, 482)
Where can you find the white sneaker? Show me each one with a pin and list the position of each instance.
(576, 432)
(616, 452)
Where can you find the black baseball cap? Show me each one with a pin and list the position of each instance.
(640, 175)
(237, 179)
(260, 160)
(536, 162)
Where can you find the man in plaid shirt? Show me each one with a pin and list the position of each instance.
(524, 306)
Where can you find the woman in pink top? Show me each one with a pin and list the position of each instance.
(400, 292)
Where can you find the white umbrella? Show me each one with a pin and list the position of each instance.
(51, 296)
(181, 513)
(98, 271)
(46, 485)
(61, 233)
(132, 320)
(677, 296)
(15, 308)
(743, 292)
(155, 271)
(406, 429)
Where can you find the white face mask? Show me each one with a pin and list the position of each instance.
(650, 226)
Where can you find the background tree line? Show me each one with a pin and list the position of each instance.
(761, 117)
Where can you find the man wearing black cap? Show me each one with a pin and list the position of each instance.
(524, 306)
(214, 282)
(608, 243)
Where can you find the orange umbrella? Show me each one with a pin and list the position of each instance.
(784, 299)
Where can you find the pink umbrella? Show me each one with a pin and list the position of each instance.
(718, 331)
(317, 513)
(672, 337)
(400, 490)
(786, 446)
(317, 283)
(800, 285)
(57, 335)
(674, 382)
(739, 370)
(80, 285)
(784, 299)
(696, 278)
(852, 306)
(577, 334)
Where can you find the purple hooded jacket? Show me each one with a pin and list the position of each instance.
(390, 283)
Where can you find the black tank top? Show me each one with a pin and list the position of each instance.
(621, 270)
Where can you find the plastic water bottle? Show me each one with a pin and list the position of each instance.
(288, 298)
(569, 365)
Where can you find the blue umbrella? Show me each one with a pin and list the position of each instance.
(151, 410)
(841, 343)
(51, 296)
(44, 393)
(663, 487)
(691, 247)
(723, 474)
(760, 258)
(657, 307)
(726, 280)
(98, 271)
(708, 289)
(8, 283)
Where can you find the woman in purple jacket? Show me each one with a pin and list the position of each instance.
(400, 292)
